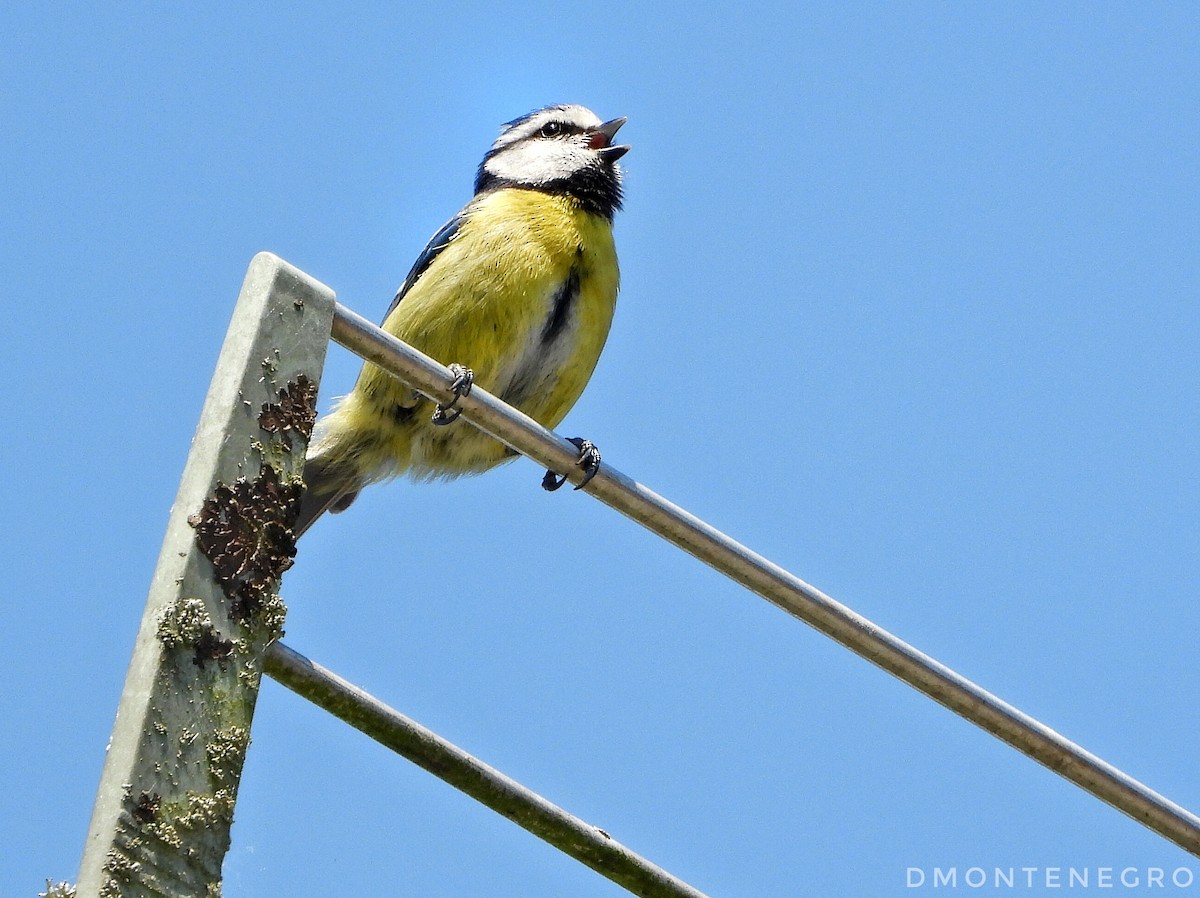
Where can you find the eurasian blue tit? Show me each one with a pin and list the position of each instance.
(519, 287)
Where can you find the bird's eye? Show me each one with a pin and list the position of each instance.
(551, 129)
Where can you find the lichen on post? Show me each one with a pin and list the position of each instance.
(161, 821)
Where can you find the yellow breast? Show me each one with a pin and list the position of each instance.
(485, 302)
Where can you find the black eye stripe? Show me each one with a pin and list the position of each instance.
(558, 129)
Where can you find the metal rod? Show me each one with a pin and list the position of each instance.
(587, 844)
(780, 587)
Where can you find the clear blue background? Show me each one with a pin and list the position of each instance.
(910, 306)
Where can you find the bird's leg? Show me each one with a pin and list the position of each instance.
(589, 460)
(464, 378)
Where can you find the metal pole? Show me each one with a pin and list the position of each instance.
(587, 844)
(160, 825)
(779, 586)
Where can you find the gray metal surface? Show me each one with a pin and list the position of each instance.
(587, 844)
(780, 587)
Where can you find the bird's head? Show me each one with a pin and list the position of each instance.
(559, 149)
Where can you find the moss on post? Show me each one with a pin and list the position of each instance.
(161, 821)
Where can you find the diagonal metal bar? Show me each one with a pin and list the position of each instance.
(585, 843)
(780, 587)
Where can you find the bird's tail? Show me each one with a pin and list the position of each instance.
(331, 483)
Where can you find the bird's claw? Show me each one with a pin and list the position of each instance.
(589, 460)
(464, 379)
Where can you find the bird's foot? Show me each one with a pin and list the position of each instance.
(589, 460)
(464, 379)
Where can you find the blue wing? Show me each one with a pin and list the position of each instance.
(436, 244)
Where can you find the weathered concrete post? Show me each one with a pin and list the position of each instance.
(160, 826)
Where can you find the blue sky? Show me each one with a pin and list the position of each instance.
(910, 305)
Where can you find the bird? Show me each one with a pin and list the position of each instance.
(516, 293)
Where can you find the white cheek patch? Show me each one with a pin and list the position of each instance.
(539, 161)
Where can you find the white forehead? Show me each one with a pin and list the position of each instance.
(573, 116)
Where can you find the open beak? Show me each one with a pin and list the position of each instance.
(601, 140)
